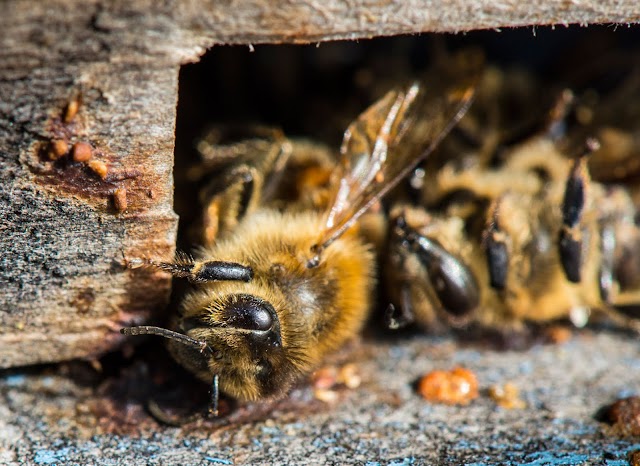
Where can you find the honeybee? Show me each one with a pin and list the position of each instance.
(280, 285)
(528, 239)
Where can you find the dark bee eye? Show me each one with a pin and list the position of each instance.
(248, 312)
(452, 281)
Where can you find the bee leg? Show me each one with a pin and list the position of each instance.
(396, 318)
(199, 272)
(621, 319)
(227, 199)
(272, 179)
(159, 414)
(570, 241)
(162, 416)
(627, 304)
(212, 410)
(201, 347)
(556, 124)
(606, 279)
(620, 306)
(495, 244)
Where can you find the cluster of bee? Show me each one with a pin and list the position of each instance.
(499, 226)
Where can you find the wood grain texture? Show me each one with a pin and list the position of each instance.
(257, 21)
(63, 289)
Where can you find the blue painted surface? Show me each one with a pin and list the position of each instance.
(51, 456)
(548, 458)
(402, 462)
(15, 380)
(46, 457)
(627, 392)
(211, 459)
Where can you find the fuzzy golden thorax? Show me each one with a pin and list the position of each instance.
(270, 331)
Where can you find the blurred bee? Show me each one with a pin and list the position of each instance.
(517, 233)
(281, 284)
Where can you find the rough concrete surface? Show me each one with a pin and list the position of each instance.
(48, 416)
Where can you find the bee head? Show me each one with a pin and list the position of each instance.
(243, 332)
(240, 341)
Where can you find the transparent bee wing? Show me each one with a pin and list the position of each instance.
(392, 136)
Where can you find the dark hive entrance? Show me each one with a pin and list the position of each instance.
(314, 91)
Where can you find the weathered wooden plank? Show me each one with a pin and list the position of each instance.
(256, 21)
(63, 288)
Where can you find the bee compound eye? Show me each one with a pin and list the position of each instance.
(249, 313)
(452, 281)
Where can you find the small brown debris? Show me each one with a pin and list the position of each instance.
(634, 458)
(624, 415)
(71, 109)
(507, 396)
(135, 263)
(121, 175)
(84, 300)
(324, 395)
(58, 148)
(330, 376)
(99, 168)
(81, 152)
(120, 199)
(324, 378)
(328, 380)
(455, 387)
(348, 375)
(96, 365)
(557, 334)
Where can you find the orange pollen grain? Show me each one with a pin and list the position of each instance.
(455, 387)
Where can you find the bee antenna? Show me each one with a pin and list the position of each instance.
(199, 345)
(198, 272)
